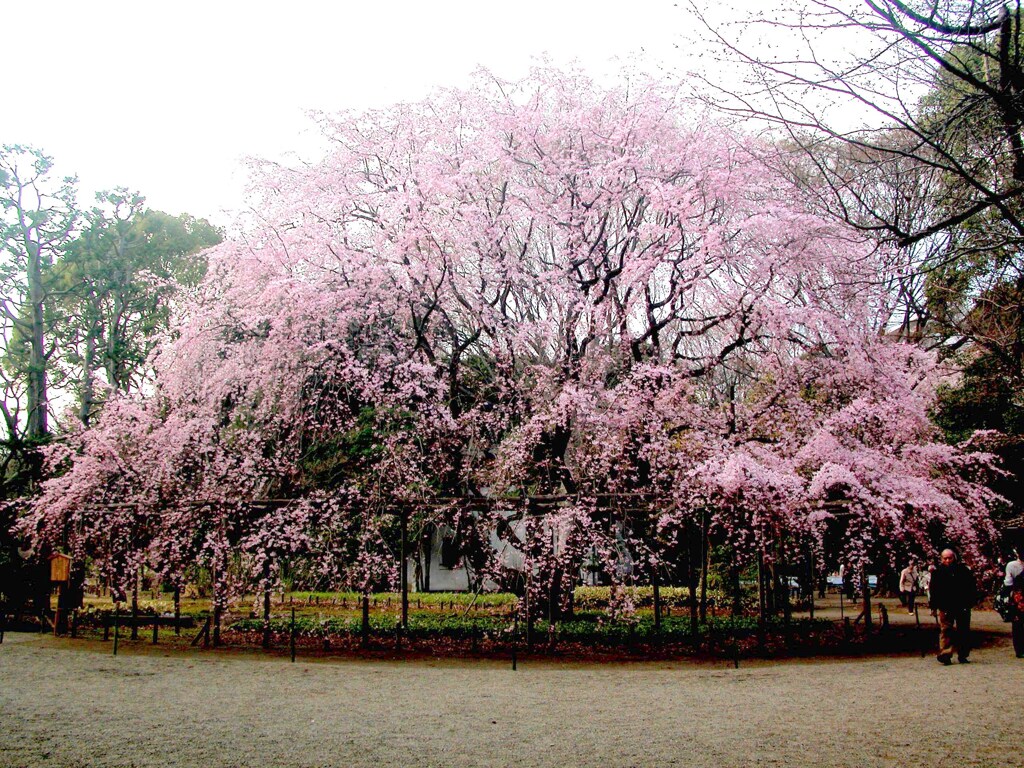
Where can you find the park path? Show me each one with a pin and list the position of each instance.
(68, 704)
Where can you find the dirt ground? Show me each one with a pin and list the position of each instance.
(70, 703)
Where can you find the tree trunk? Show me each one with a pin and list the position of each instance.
(426, 547)
(37, 425)
(866, 590)
(111, 361)
(88, 396)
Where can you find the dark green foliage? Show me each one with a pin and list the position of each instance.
(985, 398)
(588, 628)
(113, 288)
(989, 398)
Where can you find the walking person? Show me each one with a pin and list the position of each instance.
(1015, 580)
(908, 587)
(953, 594)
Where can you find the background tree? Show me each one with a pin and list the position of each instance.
(117, 280)
(85, 297)
(39, 215)
(904, 119)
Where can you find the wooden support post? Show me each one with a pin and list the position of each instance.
(515, 632)
(217, 575)
(762, 605)
(405, 570)
(56, 615)
(216, 625)
(812, 579)
(266, 618)
(737, 607)
(529, 616)
(203, 635)
(177, 611)
(135, 608)
(705, 565)
(656, 587)
(292, 632)
(692, 581)
(787, 605)
(116, 629)
(866, 590)
(365, 629)
(156, 624)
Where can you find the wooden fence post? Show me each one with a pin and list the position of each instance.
(365, 629)
(404, 566)
(812, 579)
(177, 611)
(293, 635)
(705, 565)
(135, 608)
(656, 587)
(515, 632)
(266, 618)
(693, 585)
(762, 601)
(737, 607)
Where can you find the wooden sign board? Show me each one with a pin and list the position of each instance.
(60, 568)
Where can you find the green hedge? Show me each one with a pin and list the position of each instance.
(484, 599)
(597, 598)
(587, 629)
(420, 626)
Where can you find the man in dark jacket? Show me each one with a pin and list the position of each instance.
(953, 594)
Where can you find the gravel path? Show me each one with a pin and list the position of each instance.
(66, 703)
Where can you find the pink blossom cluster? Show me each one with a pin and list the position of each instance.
(522, 289)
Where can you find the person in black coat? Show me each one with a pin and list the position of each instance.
(953, 595)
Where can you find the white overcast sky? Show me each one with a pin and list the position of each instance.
(167, 97)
